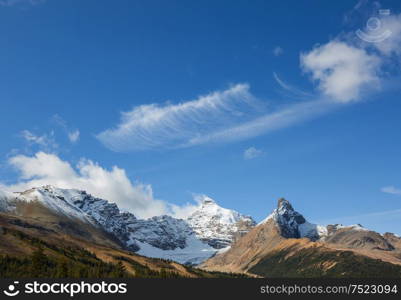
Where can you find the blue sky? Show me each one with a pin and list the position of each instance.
(242, 101)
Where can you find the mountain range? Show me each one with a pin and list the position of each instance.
(208, 229)
(213, 238)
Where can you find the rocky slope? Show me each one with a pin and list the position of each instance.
(286, 244)
(191, 241)
(88, 253)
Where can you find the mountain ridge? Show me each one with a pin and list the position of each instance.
(212, 237)
(287, 238)
(159, 236)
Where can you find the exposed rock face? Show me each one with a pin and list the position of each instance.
(286, 244)
(162, 232)
(288, 219)
(218, 226)
(292, 224)
(161, 236)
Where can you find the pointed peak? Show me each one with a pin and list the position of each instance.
(284, 204)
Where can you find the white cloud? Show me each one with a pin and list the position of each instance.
(277, 51)
(391, 190)
(114, 185)
(73, 136)
(214, 118)
(342, 70)
(252, 153)
(183, 212)
(173, 125)
(278, 119)
(46, 140)
(392, 44)
(345, 70)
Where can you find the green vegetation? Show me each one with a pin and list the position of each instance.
(313, 262)
(47, 260)
(41, 266)
(168, 271)
(215, 274)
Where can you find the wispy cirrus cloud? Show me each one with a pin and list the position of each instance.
(292, 90)
(344, 70)
(176, 125)
(280, 118)
(220, 117)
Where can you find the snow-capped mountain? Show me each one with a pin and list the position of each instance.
(216, 225)
(57, 200)
(292, 224)
(160, 236)
(286, 243)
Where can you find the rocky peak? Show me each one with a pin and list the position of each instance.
(292, 224)
(284, 204)
(288, 219)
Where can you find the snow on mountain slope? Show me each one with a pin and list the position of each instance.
(56, 200)
(194, 253)
(216, 225)
(6, 203)
(161, 236)
(292, 224)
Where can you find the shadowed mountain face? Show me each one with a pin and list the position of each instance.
(40, 241)
(285, 244)
(72, 222)
(80, 214)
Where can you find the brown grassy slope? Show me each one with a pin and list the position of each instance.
(21, 236)
(255, 253)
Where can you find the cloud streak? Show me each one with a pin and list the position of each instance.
(174, 125)
(344, 70)
(291, 89)
(278, 119)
